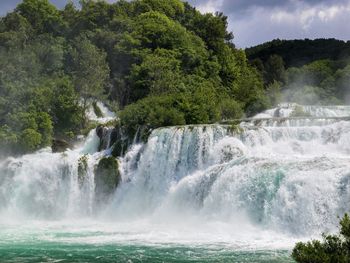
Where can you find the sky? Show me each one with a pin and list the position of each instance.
(257, 21)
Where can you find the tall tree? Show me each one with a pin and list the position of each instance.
(88, 68)
(42, 15)
(274, 70)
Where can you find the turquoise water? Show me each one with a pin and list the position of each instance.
(61, 243)
(190, 194)
(58, 252)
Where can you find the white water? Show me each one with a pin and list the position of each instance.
(261, 188)
(108, 115)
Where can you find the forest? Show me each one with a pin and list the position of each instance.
(304, 71)
(157, 63)
(203, 192)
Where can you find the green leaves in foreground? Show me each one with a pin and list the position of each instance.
(333, 248)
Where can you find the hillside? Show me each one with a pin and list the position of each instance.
(296, 53)
(304, 71)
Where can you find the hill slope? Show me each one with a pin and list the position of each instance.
(297, 53)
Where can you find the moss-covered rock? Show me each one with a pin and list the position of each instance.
(107, 178)
(60, 145)
(298, 111)
(100, 130)
(119, 148)
(103, 133)
(235, 128)
(97, 110)
(119, 139)
(108, 136)
(82, 169)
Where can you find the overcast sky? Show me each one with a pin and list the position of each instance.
(257, 21)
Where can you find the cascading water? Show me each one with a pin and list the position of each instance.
(107, 115)
(257, 187)
(45, 185)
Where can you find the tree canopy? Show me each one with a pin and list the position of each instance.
(304, 71)
(333, 248)
(162, 62)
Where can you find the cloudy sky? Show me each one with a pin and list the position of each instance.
(257, 21)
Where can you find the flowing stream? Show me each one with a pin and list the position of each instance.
(206, 193)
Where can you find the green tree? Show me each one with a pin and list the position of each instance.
(342, 77)
(89, 70)
(170, 8)
(43, 16)
(274, 70)
(66, 111)
(30, 140)
(333, 248)
(15, 31)
(230, 109)
(274, 92)
(152, 112)
(163, 62)
(159, 73)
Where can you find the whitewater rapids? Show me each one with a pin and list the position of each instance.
(247, 188)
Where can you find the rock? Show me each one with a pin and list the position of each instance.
(107, 179)
(114, 136)
(103, 133)
(118, 139)
(97, 110)
(119, 148)
(108, 136)
(82, 169)
(59, 146)
(100, 131)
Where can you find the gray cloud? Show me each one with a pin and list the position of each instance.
(254, 22)
(243, 6)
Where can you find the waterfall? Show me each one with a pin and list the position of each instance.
(108, 115)
(46, 185)
(290, 177)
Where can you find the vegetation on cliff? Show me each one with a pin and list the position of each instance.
(162, 63)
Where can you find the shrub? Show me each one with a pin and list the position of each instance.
(30, 140)
(333, 248)
(230, 109)
(153, 112)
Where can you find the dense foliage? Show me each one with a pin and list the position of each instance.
(304, 71)
(296, 53)
(162, 62)
(333, 248)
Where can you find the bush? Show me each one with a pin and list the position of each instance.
(333, 248)
(30, 140)
(230, 109)
(7, 138)
(153, 112)
(67, 114)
